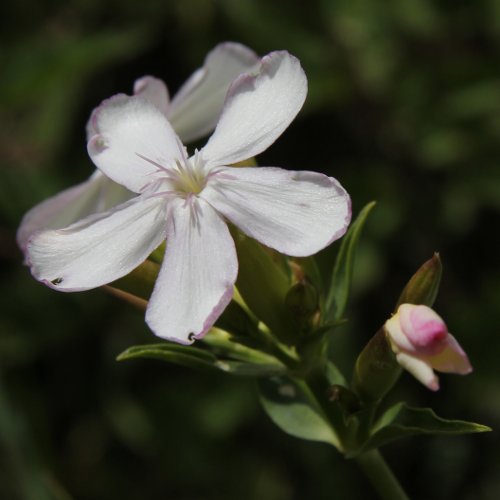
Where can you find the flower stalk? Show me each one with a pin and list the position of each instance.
(380, 476)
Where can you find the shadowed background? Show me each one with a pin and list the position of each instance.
(403, 108)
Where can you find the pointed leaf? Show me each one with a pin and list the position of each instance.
(292, 407)
(187, 356)
(340, 285)
(234, 359)
(401, 420)
(334, 375)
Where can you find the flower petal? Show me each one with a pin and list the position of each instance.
(399, 340)
(133, 138)
(257, 110)
(99, 249)
(94, 195)
(296, 213)
(148, 87)
(424, 328)
(196, 107)
(421, 370)
(154, 90)
(196, 279)
(452, 359)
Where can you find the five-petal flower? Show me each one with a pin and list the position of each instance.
(187, 201)
(193, 113)
(420, 339)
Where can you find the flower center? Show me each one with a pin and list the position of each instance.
(188, 176)
(185, 177)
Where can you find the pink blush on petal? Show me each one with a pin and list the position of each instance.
(424, 329)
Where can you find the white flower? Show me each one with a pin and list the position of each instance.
(193, 113)
(187, 200)
(420, 339)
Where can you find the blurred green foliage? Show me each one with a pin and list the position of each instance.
(403, 108)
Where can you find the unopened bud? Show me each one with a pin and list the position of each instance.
(302, 300)
(420, 339)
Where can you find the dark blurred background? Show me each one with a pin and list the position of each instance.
(403, 108)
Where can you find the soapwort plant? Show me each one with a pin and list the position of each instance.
(219, 253)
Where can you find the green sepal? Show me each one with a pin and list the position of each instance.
(376, 369)
(293, 408)
(423, 286)
(401, 420)
(340, 284)
(263, 285)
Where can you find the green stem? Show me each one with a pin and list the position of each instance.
(366, 417)
(380, 476)
(371, 463)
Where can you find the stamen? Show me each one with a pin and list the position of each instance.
(186, 174)
(182, 149)
(162, 193)
(156, 164)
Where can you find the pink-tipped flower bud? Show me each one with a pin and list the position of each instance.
(421, 341)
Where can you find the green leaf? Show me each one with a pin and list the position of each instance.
(334, 375)
(401, 420)
(188, 356)
(236, 359)
(340, 285)
(292, 407)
